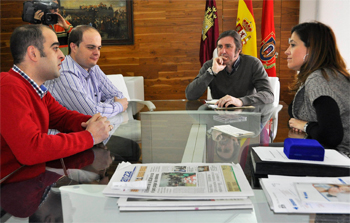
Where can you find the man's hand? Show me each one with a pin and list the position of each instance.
(297, 125)
(61, 21)
(219, 64)
(98, 126)
(229, 100)
(123, 101)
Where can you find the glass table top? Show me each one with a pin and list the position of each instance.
(176, 126)
(176, 131)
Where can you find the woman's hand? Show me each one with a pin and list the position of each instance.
(296, 134)
(297, 125)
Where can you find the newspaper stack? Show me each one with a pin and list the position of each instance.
(328, 195)
(183, 186)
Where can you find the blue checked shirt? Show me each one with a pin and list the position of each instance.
(40, 90)
(86, 92)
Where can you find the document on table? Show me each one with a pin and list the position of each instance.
(283, 196)
(116, 121)
(276, 154)
(211, 102)
(233, 131)
(324, 193)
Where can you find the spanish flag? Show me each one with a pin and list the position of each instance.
(245, 26)
(268, 39)
(210, 32)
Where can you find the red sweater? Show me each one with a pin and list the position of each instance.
(25, 120)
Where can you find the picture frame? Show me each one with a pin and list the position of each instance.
(112, 18)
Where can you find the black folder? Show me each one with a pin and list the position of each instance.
(260, 169)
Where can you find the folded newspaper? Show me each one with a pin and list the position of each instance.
(150, 204)
(183, 181)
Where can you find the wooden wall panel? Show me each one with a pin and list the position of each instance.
(289, 17)
(166, 41)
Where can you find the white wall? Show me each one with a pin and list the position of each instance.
(336, 14)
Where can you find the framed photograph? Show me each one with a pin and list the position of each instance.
(112, 18)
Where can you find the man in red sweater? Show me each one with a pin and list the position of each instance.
(28, 110)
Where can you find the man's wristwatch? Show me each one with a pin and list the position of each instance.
(211, 72)
(305, 126)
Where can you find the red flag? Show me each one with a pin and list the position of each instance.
(210, 32)
(268, 39)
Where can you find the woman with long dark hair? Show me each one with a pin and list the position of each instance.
(321, 106)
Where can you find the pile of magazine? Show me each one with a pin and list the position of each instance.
(328, 195)
(182, 186)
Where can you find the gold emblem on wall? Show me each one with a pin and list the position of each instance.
(208, 22)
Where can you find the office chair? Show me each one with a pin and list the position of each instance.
(275, 84)
(131, 129)
(4, 215)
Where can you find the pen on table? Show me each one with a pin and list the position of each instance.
(64, 167)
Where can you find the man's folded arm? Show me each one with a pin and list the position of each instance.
(199, 85)
(26, 138)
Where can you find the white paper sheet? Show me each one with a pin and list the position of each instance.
(233, 131)
(211, 102)
(276, 154)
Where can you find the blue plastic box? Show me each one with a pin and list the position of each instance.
(303, 149)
